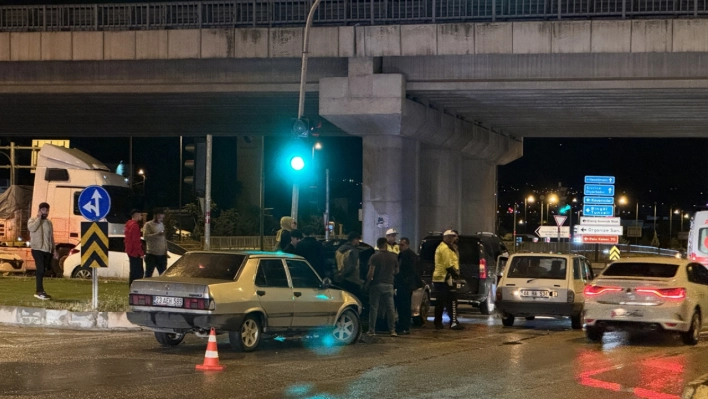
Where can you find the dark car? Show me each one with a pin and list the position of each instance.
(477, 270)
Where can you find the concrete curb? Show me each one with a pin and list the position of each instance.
(40, 317)
(696, 389)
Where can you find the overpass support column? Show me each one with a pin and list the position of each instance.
(448, 183)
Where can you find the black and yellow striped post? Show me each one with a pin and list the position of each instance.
(94, 251)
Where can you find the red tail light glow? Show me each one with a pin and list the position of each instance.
(593, 290)
(196, 303)
(671, 293)
(482, 268)
(140, 300)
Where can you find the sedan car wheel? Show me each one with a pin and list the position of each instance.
(169, 339)
(692, 336)
(248, 337)
(81, 272)
(507, 320)
(346, 329)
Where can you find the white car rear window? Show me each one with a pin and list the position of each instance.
(537, 267)
(637, 269)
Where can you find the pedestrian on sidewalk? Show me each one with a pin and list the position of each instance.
(42, 245)
(447, 269)
(405, 283)
(383, 267)
(134, 247)
(156, 244)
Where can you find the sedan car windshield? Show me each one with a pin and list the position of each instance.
(662, 270)
(207, 265)
(537, 267)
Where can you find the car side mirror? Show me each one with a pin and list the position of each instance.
(326, 283)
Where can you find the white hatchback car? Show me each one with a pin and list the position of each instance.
(665, 294)
(118, 265)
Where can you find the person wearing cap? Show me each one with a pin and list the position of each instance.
(42, 245)
(134, 247)
(383, 267)
(391, 235)
(295, 238)
(447, 267)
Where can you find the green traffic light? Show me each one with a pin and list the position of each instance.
(564, 209)
(297, 163)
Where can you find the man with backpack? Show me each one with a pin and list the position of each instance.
(346, 257)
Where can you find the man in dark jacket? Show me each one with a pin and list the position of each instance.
(406, 282)
(383, 266)
(295, 238)
(348, 272)
(311, 249)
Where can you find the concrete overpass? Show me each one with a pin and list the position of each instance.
(439, 106)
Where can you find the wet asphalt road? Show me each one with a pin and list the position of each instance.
(534, 359)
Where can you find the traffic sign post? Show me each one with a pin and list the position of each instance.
(594, 221)
(599, 200)
(592, 239)
(598, 210)
(599, 189)
(552, 231)
(94, 205)
(600, 179)
(601, 230)
(614, 253)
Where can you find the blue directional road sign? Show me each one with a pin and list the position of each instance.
(600, 179)
(598, 210)
(94, 203)
(599, 189)
(599, 200)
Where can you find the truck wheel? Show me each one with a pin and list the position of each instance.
(169, 339)
(508, 320)
(81, 272)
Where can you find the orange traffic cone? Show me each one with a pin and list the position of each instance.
(211, 357)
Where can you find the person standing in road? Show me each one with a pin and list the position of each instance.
(42, 245)
(347, 275)
(447, 268)
(383, 267)
(392, 246)
(134, 247)
(405, 283)
(312, 250)
(156, 243)
(282, 237)
(295, 238)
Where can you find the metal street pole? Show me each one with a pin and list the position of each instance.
(636, 223)
(179, 201)
(262, 196)
(514, 225)
(207, 195)
(671, 220)
(655, 218)
(301, 103)
(327, 204)
(12, 163)
(526, 219)
(541, 221)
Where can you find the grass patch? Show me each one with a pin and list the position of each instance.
(73, 295)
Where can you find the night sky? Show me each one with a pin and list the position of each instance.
(671, 172)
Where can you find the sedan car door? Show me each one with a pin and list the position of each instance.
(314, 306)
(274, 293)
(698, 274)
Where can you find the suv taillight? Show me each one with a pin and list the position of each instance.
(482, 268)
(671, 293)
(592, 290)
(140, 300)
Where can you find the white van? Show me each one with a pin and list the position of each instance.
(697, 250)
(538, 284)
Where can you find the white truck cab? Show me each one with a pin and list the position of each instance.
(698, 238)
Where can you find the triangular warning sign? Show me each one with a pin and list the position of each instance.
(560, 219)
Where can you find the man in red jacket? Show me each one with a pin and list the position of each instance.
(134, 247)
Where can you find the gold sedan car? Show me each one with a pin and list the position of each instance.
(245, 294)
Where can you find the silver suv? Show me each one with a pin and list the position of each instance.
(245, 294)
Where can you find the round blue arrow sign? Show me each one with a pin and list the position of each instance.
(94, 203)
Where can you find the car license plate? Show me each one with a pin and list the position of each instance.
(167, 301)
(621, 313)
(535, 293)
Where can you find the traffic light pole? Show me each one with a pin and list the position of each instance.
(207, 196)
(301, 103)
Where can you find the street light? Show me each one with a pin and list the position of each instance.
(316, 146)
(552, 199)
(622, 201)
(142, 173)
(530, 199)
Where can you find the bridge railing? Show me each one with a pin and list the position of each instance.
(266, 13)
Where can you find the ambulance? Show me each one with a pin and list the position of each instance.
(698, 238)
